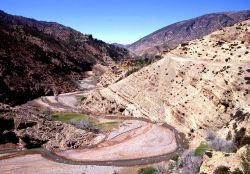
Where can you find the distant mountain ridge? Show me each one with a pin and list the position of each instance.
(45, 58)
(172, 35)
(121, 45)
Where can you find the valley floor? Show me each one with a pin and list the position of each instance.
(134, 142)
(35, 163)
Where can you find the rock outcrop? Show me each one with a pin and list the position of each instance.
(25, 126)
(227, 162)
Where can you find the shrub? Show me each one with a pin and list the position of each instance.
(163, 169)
(239, 135)
(82, 124)
(245, 140)
(184, 44)
(246, 162)
(237, 171)
(217, 143)
(147, 170)
(45, 111)
(209, 135)
(175, 158)
(226, 170)
(222, 170)
(189, 163)
(136, 65)
(220, 43)
(80, 98)
(131, 71)
(220, 144)
(201, 149)
(49, 117)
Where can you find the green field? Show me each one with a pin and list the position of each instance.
(66, 117)
(108, 125)
(92, 121)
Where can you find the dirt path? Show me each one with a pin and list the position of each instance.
(37, 164)
(140, 143)
(67, 102)
(135, 142)
(206, 61)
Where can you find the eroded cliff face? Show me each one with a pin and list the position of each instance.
(190, 91)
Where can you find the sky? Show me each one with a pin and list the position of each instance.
(120, 21)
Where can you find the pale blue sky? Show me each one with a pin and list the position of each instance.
(122, 21)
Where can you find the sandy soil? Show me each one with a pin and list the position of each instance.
(134, 139)
(67, 102)
(36, 164)
(125, 127)
(139, 143)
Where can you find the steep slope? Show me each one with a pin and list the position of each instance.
(190, 92)
(170, 36)
(43, 58)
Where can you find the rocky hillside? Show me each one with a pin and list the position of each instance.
(25, 126)
(202, 89)
(170, 36)
(44, 58)
(230, 44)
(192, 91)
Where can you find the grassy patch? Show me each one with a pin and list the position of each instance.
(66, 117)
(201, 149)
(147, 170)
(84, 121)
(108, 125)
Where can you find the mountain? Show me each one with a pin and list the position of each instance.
(201, 88)
(171, 36)
(198, 86)
(120, 45)
(45, 58)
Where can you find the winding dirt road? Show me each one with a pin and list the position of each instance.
(134, 142)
